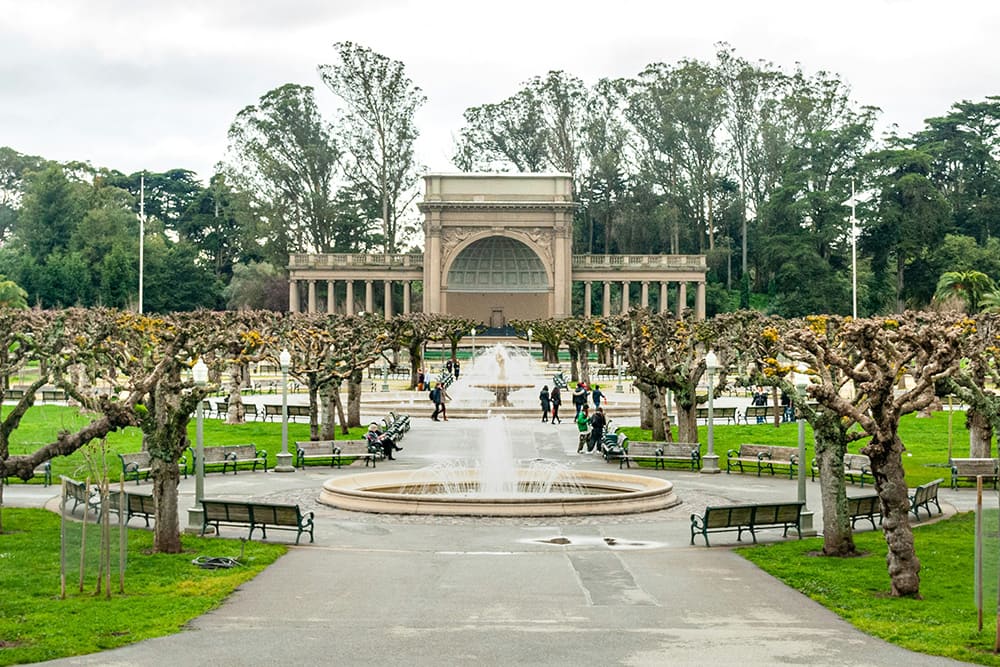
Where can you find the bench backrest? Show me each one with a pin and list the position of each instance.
(973, 467)
(731, 515)
(76, 489)
(141, 459)
(351, 447)
(663, 448)
(926, 492)
(777, 513)
(759, 411)
(857, 462)
(220, 453)
(863, 505)
(298, 410)
(776, 452)
(220, 510)
(272, 410)
(277, 515)
(316, 446)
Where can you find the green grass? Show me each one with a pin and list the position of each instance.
(926, 440)
(42, 424)
(942, 623)
(163, 592)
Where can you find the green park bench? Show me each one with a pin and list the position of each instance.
(256, 515)
(750, 518)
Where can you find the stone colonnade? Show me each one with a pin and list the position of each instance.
(349, 304)
(626, 301)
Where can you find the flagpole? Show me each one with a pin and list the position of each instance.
(142, 231)
(854, 255)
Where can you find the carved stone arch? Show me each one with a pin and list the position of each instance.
(461, 240)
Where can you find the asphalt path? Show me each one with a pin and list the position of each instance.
(410, 590)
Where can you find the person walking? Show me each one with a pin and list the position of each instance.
(546, 402)
(597, 396)
(579, 397)
(583, 426)
(458, 368)
(556, 399)
(597, 424)
(437, 397)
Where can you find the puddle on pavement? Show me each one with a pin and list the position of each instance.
(592, 541)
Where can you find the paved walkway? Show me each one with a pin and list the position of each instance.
(384, 590)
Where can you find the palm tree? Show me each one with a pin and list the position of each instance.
(990, 302)
(11, 294)
(969, 286)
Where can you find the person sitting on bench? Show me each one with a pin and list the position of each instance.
(376, 437)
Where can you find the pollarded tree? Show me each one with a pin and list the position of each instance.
(326, 350)
(767, 353)
(253, 334)
(666, 353)
(981, 355)
(454, 329)
(548, 333)
(874, 355)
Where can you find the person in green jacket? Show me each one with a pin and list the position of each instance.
(583, 425)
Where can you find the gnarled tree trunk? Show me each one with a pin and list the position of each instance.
(886, 454)
(354, 399)
(980, 434)
(235, 412)
(831, 444)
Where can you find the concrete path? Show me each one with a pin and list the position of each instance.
(382, 590)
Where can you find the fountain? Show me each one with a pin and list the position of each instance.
(495, 484)
(489, 371)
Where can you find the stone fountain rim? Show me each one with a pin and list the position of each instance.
(633, 493)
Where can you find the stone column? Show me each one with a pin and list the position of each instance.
(587, 296)
(293, 296)
(606, 306)
(369, 298)
(663, 297)
(682, 298)
(699, 300)
(406, 297)
(312, 296)
(331, 303)
(644, 297)
(387, 298)
(625, 298)
(349, 302)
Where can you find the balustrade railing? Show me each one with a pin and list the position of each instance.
(331, 260)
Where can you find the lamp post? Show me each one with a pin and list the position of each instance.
(710, 464)
(142, 232)
(284, 463)
(618, 387)
(385, 378)
(195, 513)
(473, 342)
(807, 516)
(529, 344)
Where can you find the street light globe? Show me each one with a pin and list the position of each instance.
(285, 359)
(711, 361)
(529, 334)
(473, 331)
(200, 373)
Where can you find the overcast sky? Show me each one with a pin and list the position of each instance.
(132, 84)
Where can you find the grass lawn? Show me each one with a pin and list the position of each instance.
(926, 440)
(163, 592)
(42, 423)
(942, 623)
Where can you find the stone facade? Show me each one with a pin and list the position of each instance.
(497, 247)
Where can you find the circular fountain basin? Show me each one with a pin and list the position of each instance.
(413, 492)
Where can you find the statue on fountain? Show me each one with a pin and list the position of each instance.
(501, 366)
